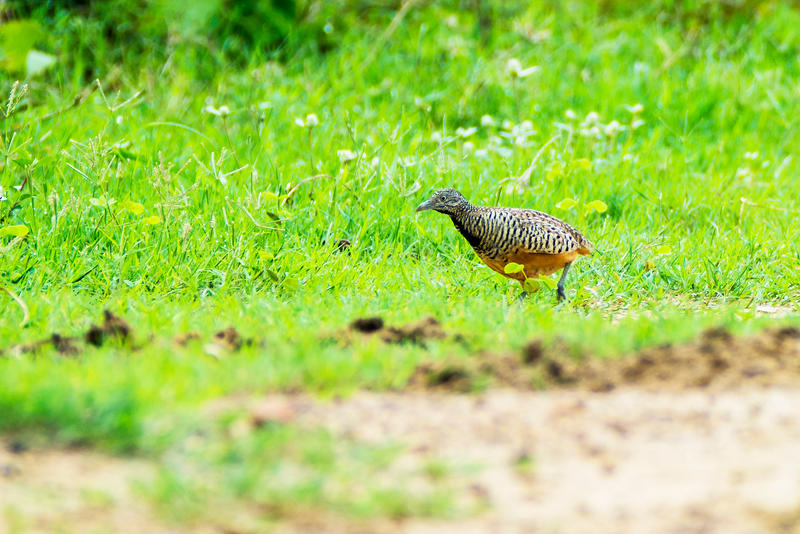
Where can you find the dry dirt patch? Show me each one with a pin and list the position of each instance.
(628, 461)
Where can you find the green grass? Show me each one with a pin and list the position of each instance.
(178, 219)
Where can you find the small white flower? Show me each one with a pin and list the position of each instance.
(469, 148)
(481, 153)
(591, 118)
(635, 109)
(637, 123)
(465, 132)
(613, 128)
(743, 172)
(571, 115)
(513, 66)
(496, 140)
(507, 124)
(515, 70)
(376, 161)
(311, 120)
(224, 110)
(346, 155)
(487, 121)
(750, 156)
(765, 164)
(627, 157)
(436, 137)
(595, 131)
(526, 126)
(520, 140)
(300, 122)
(264, 105)
(211, 109)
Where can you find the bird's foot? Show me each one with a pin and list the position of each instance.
(522, 297)
(560, 294)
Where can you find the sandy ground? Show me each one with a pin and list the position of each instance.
(627, 461)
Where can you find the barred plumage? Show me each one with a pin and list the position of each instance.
(539, 242)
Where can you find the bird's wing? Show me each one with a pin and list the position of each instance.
(544, 234)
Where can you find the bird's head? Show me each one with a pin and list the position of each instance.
(447, 201)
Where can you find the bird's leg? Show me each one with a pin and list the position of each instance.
(560, 291)
(522, 297)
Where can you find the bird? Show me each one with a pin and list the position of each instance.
(539, 242)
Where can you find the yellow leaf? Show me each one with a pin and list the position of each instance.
(17, 230)
(582, 163)
(269, 196)
(566, 204)
(512, 268)
(597, 205)
(153, 219)
(530, 285)
(133, 207)
(664, 249)
(554, 172)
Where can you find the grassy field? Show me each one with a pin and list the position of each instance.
(188, 191)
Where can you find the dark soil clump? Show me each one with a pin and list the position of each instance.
(417, 332)
(717, 360)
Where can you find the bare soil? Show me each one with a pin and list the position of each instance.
(693, 438)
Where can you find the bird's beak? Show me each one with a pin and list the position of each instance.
(425, 206)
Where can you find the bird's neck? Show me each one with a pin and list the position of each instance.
(468, 223)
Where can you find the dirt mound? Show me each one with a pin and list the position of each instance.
(113, 327)
(417, 332)
(716, 360)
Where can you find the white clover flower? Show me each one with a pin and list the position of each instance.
(507, 124)
(571, 115)
(376, 162)
(613, 128)
(635, 109)
(224, 110)
(436, 137)
(311, 120)
(591, 118)
(526, 126)
(264, 105)
(595, 132)
(487, 121)
(750, 156)
(583, 132)
(300, 122)
(482, 153)
(346, 155)
(495, 140)
(465, 132)
(468, 147)
(520, 140)
(635, 124)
